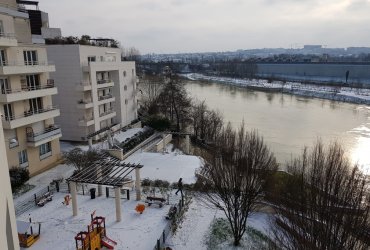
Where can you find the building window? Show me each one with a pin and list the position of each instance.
(8, 112)
(4, 86)
(2, 32)
(133, 72)
(91, 59)
(124, 73)
(125, 87)
(126, 101)
(23, 158)
(45, 150)
(2, 58)
(30, 57)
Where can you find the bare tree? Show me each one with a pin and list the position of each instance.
(81, 159)
(206, 123)
(325, 204)
(150, 87)
(234, 178)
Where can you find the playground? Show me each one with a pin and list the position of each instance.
(59, 227)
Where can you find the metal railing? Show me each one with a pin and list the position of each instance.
(29, 113)
(50, 131)
(25, 63)
(28, 88)
(7, 35)
(102, 81)
(106, 112)
(84, 83)
(104, 97)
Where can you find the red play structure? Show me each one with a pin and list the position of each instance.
(96, 236)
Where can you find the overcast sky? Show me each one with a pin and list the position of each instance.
(171, 26)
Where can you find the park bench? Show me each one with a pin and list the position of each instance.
(155, 200)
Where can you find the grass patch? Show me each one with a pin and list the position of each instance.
(220, 237)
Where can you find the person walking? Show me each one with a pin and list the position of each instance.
(179, 187)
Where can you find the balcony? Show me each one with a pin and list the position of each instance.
(13, 95)
(86, 121)
(15, 68)
(8, 40)
(107, 114)
(104, 83)
(29, 117)
(106, 99)
(85, 104)
(83, 86)
(51, 133)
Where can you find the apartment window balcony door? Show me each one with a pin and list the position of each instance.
(35, 105)
(30, 57)
(8, 112)
(4, 86)
(2, 31)
(2, 58)
(33, 82)
(23, 158)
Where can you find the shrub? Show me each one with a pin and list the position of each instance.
(18, 176)
(157, 122)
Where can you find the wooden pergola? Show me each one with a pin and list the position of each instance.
(109, 171)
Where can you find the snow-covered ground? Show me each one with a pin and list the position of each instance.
(345, 94)
(59, 227)
(193, 232)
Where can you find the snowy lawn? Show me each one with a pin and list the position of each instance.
(194, 232)
(59, 227)
(169, 166)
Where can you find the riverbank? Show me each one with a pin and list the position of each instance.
(342, 94)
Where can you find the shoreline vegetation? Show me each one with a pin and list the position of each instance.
(335, 93)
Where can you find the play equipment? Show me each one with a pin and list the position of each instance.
(48, 196)
(140, 208)
(155, 200)
(67, 199)
(95, 238)
(26, 235)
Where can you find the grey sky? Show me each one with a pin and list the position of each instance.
(169, 26)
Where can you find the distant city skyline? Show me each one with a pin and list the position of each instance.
(178, 26)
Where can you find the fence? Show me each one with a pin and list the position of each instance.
(31, 202)
(161, 241)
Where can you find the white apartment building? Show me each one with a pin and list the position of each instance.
(96, 89)
(8, 227)
(31, 137)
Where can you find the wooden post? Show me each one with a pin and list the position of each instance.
(117, 191)
(138, 184)
(187, 139)
(74, 197)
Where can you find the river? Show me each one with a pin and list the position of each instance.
(288, 122)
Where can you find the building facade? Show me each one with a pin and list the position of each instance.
(26, 90)
(8, 230)
(96, 89)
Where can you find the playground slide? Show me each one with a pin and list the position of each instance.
(108, 243)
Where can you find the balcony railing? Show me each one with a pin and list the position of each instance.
(29, 113)
(106, 112)
(25, 63)
(102, 81)
(49, 85)
(7, 35)
(48, 132)
(105, 97)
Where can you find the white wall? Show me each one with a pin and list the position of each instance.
(8, 231)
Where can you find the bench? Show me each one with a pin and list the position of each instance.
(155, 200)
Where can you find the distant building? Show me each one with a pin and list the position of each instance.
(31, 137)
(310, 47)
(96, 89)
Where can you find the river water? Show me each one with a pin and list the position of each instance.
(288, 122)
